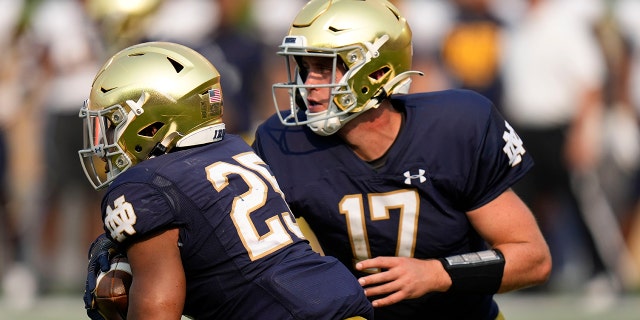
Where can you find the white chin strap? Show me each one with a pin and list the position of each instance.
(326, 125)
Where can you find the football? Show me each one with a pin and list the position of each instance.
(112, 289)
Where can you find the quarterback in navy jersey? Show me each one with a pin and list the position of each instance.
(201, 218)
(450, 157)
(410, 191)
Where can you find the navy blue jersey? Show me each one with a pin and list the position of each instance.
(454, 153)
(243, 255)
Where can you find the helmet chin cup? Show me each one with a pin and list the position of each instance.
(325, 124)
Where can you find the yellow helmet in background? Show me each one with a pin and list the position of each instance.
(121, 22)
(144, 101)
(369, 37)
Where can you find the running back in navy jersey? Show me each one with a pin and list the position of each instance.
(454, 153)
(243, 255)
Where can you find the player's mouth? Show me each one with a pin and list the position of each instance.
(316, 106)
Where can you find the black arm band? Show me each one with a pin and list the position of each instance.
(476, 272)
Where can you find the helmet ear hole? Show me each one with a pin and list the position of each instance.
(151, 130)
(379, 74)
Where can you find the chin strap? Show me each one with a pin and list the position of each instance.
(399, 84)
(162, 147)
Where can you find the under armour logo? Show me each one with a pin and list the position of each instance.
(513, 147)
(120, 219)
(99, 150)
(410, 176)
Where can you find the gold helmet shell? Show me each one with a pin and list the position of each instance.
(368, 37)
(146, 100)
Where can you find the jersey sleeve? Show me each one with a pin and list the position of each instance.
(501, 160)
(134, 210)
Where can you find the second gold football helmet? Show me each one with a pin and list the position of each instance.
(121, 23)
(370, 38)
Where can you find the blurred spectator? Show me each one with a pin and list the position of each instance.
(119, 23)
(272, 20)
(430, 21)
(627, 13)
(554, 73)
(65, 42)
(183, 21)
(232, 44)
(53, 52)
(9, 97)
(470, 51)
(626, 16)
(19, 123)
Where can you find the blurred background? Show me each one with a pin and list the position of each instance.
(564, 73)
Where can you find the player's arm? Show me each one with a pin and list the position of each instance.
(508, 225)
(159, 286)
(522, 259)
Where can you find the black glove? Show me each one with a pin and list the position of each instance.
(99, 253)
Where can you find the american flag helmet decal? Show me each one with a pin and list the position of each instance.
(214, 95)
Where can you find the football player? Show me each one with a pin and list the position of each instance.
(201, 218)
(412, 192)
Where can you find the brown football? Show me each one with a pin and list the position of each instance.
(112, 290)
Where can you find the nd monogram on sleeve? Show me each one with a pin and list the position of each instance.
(120, 219)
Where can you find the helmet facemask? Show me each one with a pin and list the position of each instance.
(343, 101)
(102, 158)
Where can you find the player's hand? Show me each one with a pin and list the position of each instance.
(99, 252)
(402, 278)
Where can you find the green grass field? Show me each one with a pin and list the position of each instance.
(515, 306)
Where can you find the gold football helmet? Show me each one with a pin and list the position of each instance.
(122, 22)
(146, 100)
(370, 38)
